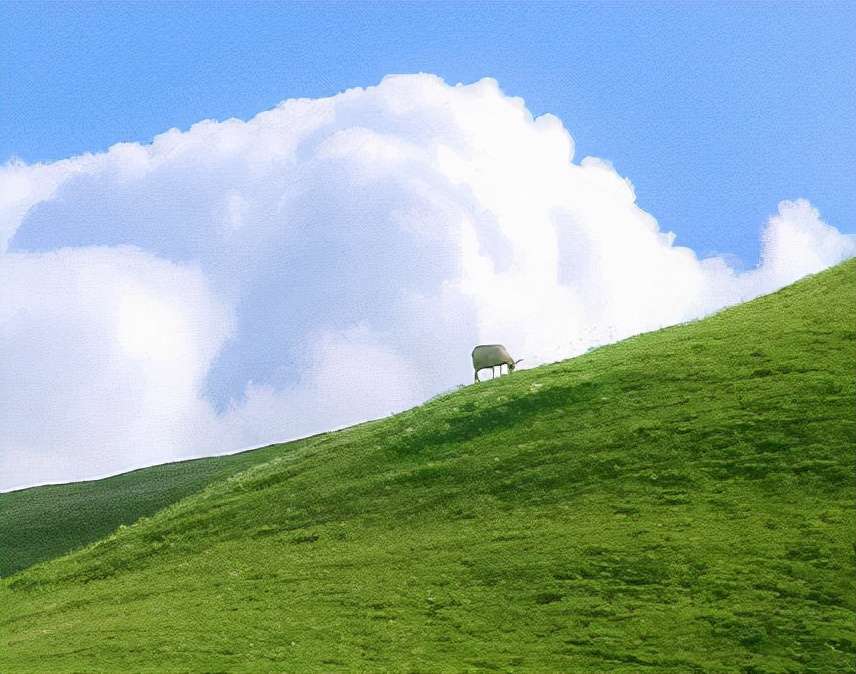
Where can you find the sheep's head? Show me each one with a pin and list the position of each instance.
(512, 365)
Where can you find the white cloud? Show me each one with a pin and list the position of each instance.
(104, 352)
(326, 262)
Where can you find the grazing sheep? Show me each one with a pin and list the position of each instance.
(489, 356)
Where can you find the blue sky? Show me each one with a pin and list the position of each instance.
(715, 111)
(350, 222)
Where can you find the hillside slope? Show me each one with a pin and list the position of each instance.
(41, 523)
(682, 501)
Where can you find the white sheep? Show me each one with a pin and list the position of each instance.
(489, 356)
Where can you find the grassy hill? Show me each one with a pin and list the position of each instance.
(682, 501)
(45, 522)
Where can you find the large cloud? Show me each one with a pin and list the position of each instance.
(326, 262)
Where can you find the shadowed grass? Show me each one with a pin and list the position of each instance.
(45, 522)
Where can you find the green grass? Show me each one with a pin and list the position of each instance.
(684, 501)
(45, 522)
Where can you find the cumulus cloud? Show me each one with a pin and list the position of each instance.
(326, 262)
(104, 353)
